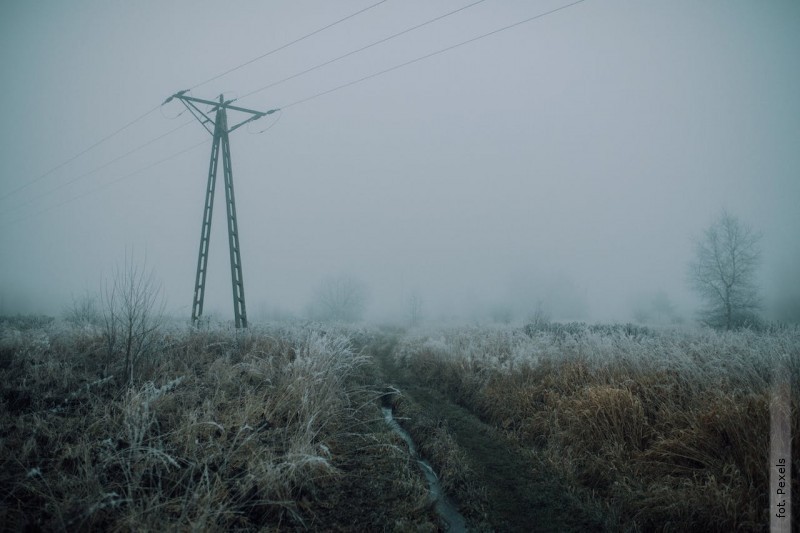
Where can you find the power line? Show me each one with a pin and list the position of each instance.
(348, 54)
(144, 115)
(262, 56)
(97, 169)
(76, 156)
(297, 102)
(432, 54)
(110, 183)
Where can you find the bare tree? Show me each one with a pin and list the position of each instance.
(83, 311)
(341, 298)
(655, 308)
(132, 311)
(723, 273)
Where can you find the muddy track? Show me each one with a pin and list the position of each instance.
(518, 493)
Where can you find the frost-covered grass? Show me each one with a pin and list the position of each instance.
(220, 430)
(656, 429)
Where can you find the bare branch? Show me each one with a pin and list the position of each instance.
(132, 310)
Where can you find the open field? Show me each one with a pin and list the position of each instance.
(544, 427)
(274, 429)
(649, 430)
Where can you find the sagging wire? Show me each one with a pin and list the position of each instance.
(277, 118)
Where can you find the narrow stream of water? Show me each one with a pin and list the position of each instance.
(444, 507)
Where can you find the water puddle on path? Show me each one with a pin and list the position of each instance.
(444, 507)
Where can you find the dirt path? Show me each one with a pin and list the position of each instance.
(519, 494)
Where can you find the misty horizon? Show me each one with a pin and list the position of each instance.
(564, 166)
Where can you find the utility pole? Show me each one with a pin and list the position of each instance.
(218, 128)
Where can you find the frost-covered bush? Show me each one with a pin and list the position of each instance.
(224, 430)
(663, 425)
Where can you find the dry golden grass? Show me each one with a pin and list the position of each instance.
(220, 431)
(666, 431)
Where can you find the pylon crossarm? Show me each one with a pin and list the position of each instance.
(251, 119)
(190, 103)
(216, 105)
(176, 95)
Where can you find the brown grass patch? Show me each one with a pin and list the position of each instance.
(219, 431)
(667, 431)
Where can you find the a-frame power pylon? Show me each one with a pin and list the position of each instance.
(219, 129)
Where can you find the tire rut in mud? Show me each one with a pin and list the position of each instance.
(518, 493)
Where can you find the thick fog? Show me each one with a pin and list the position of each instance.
(565, 164)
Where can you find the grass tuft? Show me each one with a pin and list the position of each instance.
(220, 430)
(665, 429)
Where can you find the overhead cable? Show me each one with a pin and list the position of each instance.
(428, 56)
(287, 45)
(110, 183)
(348, 54)
(96, 169)
(76, 156)
(154, 109)
(295, 103)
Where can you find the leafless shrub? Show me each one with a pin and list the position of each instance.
(84, 312)
(132, 311)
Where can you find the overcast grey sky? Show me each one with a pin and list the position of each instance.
(569, 160)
